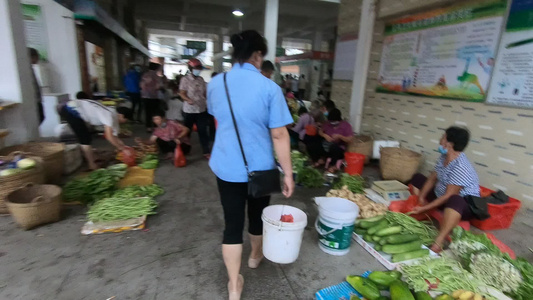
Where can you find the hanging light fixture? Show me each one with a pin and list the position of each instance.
(238, 13)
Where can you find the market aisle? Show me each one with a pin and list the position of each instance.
(178, 257)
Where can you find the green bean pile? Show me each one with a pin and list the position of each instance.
(111, 209)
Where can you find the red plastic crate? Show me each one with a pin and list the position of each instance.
(405, 206)
(501, 215)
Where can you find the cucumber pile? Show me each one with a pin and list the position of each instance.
(378, 281)
(391, 238)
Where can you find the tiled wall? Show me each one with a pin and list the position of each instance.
(501, 147)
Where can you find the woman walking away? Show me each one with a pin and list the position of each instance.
(261, 115)
(150, 85)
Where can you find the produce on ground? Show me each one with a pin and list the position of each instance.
(384, 278)
(440, 274)
(354, 183)
(364, 286)
(112, 209)
(495, 271)
(466, 295)
(399, 290)
(149, 161)
(367, 207)
(310, 177)
(426, 231)
(298, 160)
(136, 191)
(95, 186)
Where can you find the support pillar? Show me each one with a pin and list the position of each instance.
(271, 28)
(317, 41)
(16, 81)
(362, 61)
(218, 46)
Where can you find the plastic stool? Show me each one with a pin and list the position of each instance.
(438, 215)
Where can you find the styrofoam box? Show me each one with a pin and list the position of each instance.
(381, 143)
(384, 258)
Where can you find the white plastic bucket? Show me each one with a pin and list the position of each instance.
(335, 223)
(281, 240)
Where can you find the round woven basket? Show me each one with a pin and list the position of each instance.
(18, 180)
(398, 163)
(362, 144)
(51, 153)
(34, 205)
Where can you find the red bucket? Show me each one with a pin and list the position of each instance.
(354, 163)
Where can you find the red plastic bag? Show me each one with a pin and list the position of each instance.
(179, 158)
(287, 218)
(128, 156)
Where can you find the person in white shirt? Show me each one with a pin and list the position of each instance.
(302, 86)
(294, 85)
(78, 113)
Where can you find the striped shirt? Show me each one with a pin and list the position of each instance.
(458, 172)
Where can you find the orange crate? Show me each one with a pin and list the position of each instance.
(405, 206)
(501, 215)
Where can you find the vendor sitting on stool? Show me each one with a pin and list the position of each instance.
(168, 135)
(453, 179)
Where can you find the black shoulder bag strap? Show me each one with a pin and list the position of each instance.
(235, 125)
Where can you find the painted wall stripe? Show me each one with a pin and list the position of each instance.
(417, 137)
(406, 113)
(486, 127)
(434, 141)
(500, 187)
(506, 160)
(460, 123)
(479, 153)
(515, 132)
(528, 197)
(440, 119)
(404, 133)
(422, 116)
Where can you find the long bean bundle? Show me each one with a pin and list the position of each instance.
(426, 232)
(111, 209)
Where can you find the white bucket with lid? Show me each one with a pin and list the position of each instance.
(282, 240)
(335, 224)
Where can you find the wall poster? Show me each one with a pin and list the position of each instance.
(96, 67)
(345, 53)
(34, 29)
(512, 81)
(444, 53)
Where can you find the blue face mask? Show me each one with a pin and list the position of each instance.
(442, 150)
(326, 114)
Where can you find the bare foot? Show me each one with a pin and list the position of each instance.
(235, 294)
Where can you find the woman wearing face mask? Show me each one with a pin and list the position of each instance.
(445, 188)
(193, 92)
(168, 135)
(261, 115)
(335, 135)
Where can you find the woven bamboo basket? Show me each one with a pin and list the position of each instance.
(34, 205)
(362, 144)
(15, 181)
(398, 163)
(53, 155)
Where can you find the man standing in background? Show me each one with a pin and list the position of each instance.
(132, 81)
(34, 59)
(302, 85)
(267, 69)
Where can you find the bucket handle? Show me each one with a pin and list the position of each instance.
(40, 199)
(325, 233)
(27, 185)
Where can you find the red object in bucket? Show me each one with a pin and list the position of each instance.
(501, 215)
(287, 218)
(194, 128)
(355, 163)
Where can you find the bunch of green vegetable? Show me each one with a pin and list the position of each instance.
(424, 230)
(440, 274)
(310, 177)
(135, 191)
(391, 238)
(149, 161)
(97, 185)
(355, 183)
(525, 291)
(495, 271)
(298, 160)
(111, 209)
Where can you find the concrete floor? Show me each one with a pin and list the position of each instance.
(178, 256)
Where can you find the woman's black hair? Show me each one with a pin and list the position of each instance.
(329, 105)
(335, 115)
(458, 136)
(267, 66)
(159, 113)
(154, 66)
(82, 95)
(302, 110)
(124, 111)
(246, 43)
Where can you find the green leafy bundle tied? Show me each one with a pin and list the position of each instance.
(355, 183)
(310, 177)
(112, 209)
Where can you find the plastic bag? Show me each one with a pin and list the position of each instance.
(179, 158)
(128, 156)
